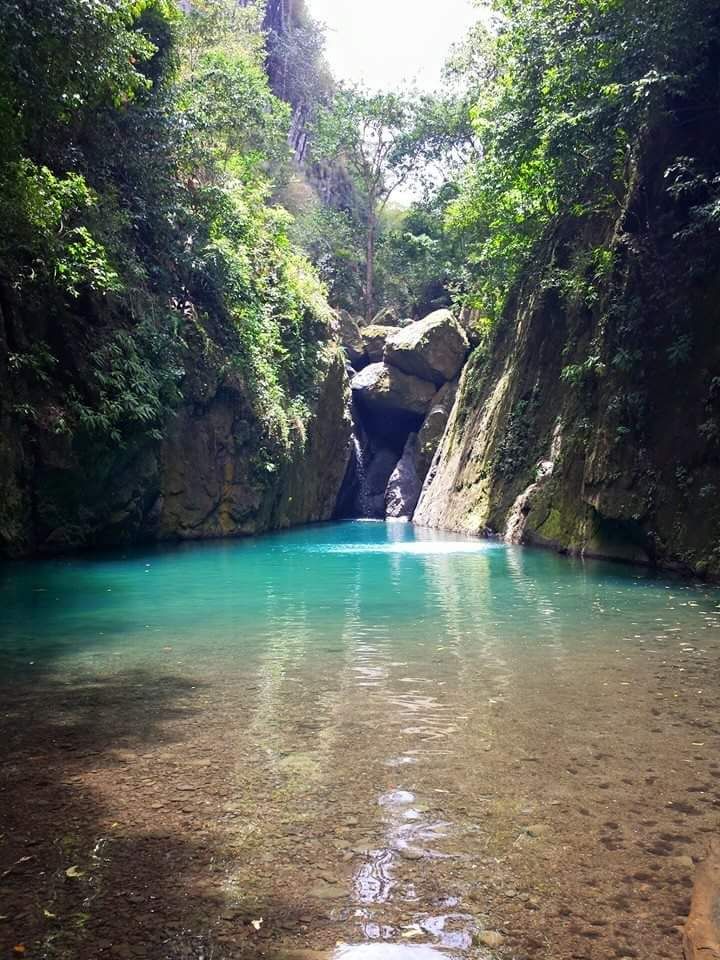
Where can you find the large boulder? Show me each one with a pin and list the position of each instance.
(434, 348)
(351, 339)
(403, 489)
(433, 428)
(376, 480)
(374, 337)
(385, 389)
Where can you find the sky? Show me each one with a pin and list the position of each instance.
(388, 43)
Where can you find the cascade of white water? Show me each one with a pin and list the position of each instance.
(363, 500)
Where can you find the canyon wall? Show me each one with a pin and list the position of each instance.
(590, 419)
(212, 470)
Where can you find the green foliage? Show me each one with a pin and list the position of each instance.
(563, 92)
(131, 386)
(580, 285)
(579, 373)
(334, 241)
(235, 125)
(382, 138)
(143, 147)
(45, 236)
(418, 260)
(296, 63)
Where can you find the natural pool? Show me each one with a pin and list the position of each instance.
(358, 739)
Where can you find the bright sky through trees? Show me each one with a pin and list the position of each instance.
(385, 43)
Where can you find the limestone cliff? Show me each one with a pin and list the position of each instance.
(590, 420)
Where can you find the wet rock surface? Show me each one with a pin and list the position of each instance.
(431, 432)
(404, 486)
(382, 465)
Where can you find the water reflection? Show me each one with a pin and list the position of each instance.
(375, 667)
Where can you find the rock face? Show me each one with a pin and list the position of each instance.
(623, 385)
(433, 427)
(209, 484)
(374, 337)
(204, 479)
(434, 348)
(351, 339)
(403, 489)
(385, 389)
(395, 404)
(378, 475)
(312, 479)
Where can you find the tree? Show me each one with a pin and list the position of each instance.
(562, 94)
(373, 133)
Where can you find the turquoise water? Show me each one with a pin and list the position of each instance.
(346, 730)
(314, 590)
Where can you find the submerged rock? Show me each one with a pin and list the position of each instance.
(411, 853)
(404, 485)
(383, 388)
(491, 938)
(434, 348)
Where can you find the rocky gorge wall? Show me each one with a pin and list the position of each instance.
(590, 421)
(210, 473)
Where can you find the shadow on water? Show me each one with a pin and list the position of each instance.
(85, 868)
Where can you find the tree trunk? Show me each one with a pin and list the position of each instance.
(701, 937)
(370, 278)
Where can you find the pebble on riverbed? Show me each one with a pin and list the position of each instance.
(490, 938)
(411, 853)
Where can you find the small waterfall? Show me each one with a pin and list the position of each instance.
(363, 499)
(354, 499)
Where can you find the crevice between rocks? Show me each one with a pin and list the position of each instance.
(404, 380)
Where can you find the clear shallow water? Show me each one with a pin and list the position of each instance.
(362, 721)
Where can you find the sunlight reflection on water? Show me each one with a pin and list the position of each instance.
(418, 547)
